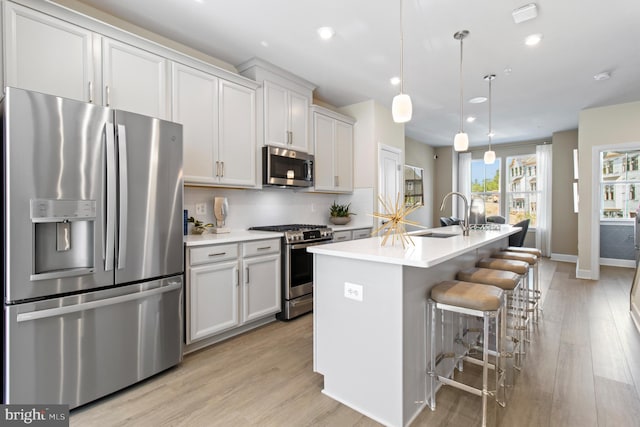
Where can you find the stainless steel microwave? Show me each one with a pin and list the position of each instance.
(286, 168)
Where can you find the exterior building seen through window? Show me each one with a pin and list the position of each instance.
(522, 193)
(619, 184)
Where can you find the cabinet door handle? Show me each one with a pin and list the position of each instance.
(217, 168)
(237, 277)
(91, 92)
(336, 181)
(221, 169)
(108, 93)
(247, 271)
(289, 137)
(217, 254)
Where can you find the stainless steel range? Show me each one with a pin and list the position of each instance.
(297, 265)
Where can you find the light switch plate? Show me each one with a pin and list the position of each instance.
(353, 291)
(201, 208)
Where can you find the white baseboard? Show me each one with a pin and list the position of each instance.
(613, 262)
(564, 258)
(635, 315)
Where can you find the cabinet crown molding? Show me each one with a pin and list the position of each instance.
(259, 69)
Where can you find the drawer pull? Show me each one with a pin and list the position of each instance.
(218, 254)
(264, 248)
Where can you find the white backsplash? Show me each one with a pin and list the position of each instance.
(273, 206)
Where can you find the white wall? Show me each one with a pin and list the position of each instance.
(598, 127)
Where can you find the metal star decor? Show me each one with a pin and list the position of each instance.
(395, 217)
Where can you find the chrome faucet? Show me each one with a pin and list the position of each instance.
(465, 223)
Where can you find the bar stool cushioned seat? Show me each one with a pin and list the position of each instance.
(506, 280)
(517, 256)
(468, 295)
(518, 267)
(532, 251)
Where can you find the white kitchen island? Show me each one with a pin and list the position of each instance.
(370, 316)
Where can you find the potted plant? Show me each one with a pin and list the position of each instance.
(340, 214)
(198, 226)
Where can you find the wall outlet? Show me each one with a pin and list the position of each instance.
(201, 208)
(353, 291)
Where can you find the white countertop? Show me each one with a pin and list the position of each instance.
(427, 251)
(233, 237)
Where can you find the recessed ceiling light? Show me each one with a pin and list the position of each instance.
(326, 33)
(533, 39)
(264, 43)
(507, 71)
(395, 80)
(491, 134)
(605, 75)
(471, 119)
(478, 100)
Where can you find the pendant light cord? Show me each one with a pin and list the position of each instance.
(401, 51)
(490, 127)
(461, 89)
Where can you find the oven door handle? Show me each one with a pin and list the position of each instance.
(306, 245)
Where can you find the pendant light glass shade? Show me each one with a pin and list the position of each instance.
(461, 140)
(401, 108)
(490, 155)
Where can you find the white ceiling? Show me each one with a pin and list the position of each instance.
(548, 85)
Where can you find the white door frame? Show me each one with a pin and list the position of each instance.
(399, 175)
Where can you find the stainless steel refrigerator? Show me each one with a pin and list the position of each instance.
(92, 258)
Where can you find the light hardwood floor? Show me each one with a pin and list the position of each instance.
(582, 369)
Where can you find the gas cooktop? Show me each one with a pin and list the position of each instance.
(288, 227)
(300, 233)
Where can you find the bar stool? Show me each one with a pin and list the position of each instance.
(536, 287)
(471, 299)
(533, 265)
(510, 283)
(520, 268)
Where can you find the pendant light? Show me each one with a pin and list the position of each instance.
(461, 141)
(490, 155)
(401, 108)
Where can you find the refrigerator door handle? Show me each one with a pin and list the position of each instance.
(108, 238)
(59, 311)
(124, 195)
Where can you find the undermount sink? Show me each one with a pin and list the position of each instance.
(435, 235)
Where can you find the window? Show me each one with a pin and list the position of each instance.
(619, 182)
(522, 194)
(485, 184)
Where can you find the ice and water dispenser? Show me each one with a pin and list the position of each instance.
(63, 232)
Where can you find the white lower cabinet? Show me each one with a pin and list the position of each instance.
(261, 278)
(213, 299)
(230, 285)
(361, 233)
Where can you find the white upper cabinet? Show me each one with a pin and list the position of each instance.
(219, 131)
(283, 105)
(134, 80)
(333, 147)
(237, 134)
(195, 106)
(286, 117)
(47, 55)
